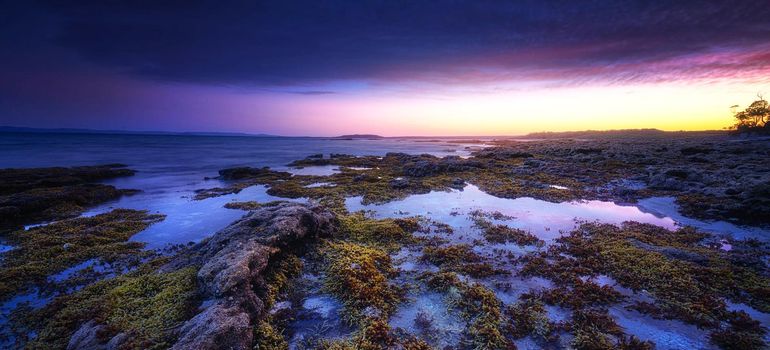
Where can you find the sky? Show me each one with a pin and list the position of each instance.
(389, 67)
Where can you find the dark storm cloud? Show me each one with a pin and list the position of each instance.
(306, 42)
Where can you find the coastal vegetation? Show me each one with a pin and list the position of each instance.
(43, 251)
(140, 310)
(754, 118)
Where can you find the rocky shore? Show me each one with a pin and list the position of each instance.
(33, 195)
(315, 275)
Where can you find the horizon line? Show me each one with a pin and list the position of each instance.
(24, 129)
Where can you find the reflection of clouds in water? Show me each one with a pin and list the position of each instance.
(544, 219)
(666, 206)
(186, 220)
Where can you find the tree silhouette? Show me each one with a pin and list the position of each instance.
(754, 118)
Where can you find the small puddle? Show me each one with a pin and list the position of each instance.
(428, 317)
(666, 206)
(187, 220)
(321, 184)
(360, 168)
(95, 264)
(316, 170)
(546, 220)
(5, 248)
(317, 318)
(667, 334)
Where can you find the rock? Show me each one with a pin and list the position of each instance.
(232, 262)
(280, 306)
(733, 191)
(663, 182)
(678, 180)
(427, 165)
(677, 173)
(399, 183)
(217, 327)
(340, 156)
(458, 183)
(315, 156)
(501, 153)
(86, 337)
(533, 163)
(117, 341)
(242, 173)
(588, 150)
(688, 151)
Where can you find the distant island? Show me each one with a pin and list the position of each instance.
(359, 137)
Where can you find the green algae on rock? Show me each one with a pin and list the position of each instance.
(386, 233)
(140, 310)
(479, 305)
(359, 276)
(250, 205)
(688, 280)
(240, 178)
(43, 251)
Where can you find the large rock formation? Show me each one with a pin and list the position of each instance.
(232, 265)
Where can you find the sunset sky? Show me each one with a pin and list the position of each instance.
(387, 67)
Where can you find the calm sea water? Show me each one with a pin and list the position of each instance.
(199, 155)
(170, 168)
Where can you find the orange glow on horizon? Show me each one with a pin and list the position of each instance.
(669, 107)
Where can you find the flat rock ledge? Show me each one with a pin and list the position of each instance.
(232, 264)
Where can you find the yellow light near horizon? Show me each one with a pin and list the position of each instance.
(663, 106)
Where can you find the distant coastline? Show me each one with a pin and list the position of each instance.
(619, 133)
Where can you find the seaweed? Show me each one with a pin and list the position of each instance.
(688, 279)
(144, 305)
(479, 305)
(528, 317)
(462, 259)
(358, 275)
(250, 205)
(45, 250)
(389, 234)
(375, 335)
(504, 234)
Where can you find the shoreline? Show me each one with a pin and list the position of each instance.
(484, 249)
